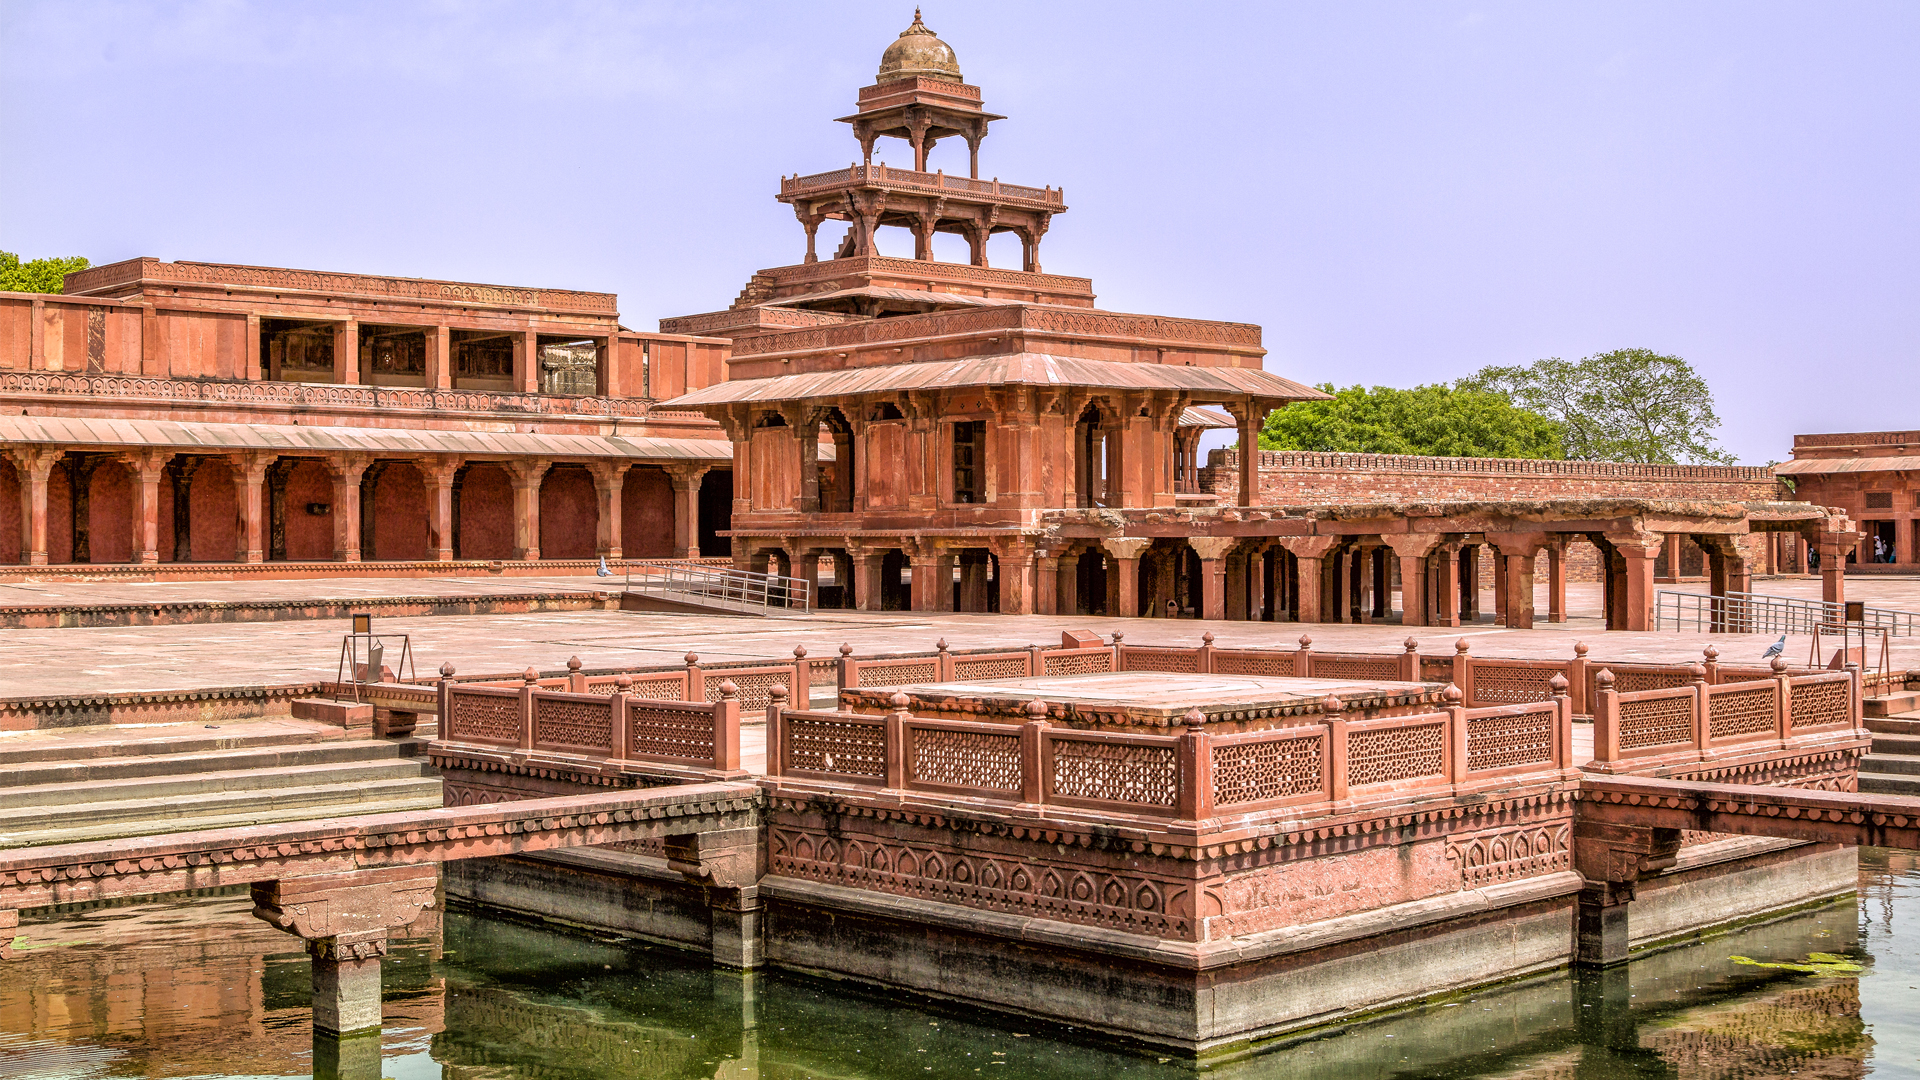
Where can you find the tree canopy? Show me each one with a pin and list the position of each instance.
(1624, 405)
(1433, 420)
(37, 275)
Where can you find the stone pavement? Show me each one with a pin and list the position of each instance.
(59, 662)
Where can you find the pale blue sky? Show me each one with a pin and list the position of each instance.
(1398, 193)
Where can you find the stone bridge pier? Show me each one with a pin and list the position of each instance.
(1611, 857)
(345, 920)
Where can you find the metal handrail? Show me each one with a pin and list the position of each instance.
(727, 588)
(1759, 613)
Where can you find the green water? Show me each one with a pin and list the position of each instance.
(198, 988)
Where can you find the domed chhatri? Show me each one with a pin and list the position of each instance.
(917, 53)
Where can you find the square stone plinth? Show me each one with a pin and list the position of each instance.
(1146, 701)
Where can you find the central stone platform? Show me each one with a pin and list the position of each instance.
(1151, 700)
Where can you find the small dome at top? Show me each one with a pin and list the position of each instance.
(918, 53)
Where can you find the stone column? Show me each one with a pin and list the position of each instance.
(1412, 550)
(868, 564)
(1248, 417)
(1066, 589)
(1516, 553)
(35, 465)
(1046, 584)
(1446, 590)
(805, 423)
(439, 473)
(1123, 578)
(609, 478)
(805, 565)
(249, 472)
(1308, 551)
(145, 471)
(526, 370)
(1636, 596)
(527, 476)
(1470, 583)
(346, 352)
(1671, 544)
(1557, 581)
(1213, 573)
(1017, 573)
(345, 472)
(1611, 858)
(345, 919)
(439, 358)
(1833, 565)
(932, 579)
(686, 508)
(973, 581)
(1238, 577)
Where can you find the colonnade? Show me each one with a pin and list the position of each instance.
(344, 507)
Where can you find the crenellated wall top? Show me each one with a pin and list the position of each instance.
(1035, 318)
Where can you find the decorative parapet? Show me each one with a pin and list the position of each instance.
(136, 388)
(918, 269)
(1597, 470)
(1859, 438)
(882, 176)
(756, 317)
(1059, 321)
(135, 271)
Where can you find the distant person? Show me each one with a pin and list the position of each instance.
(1880, 550)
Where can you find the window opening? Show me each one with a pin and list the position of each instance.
(969, 439)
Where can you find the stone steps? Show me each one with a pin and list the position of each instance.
(114, 784)
(1904, 701)
(1889, 784)
(1891, 765)
(1907, 724)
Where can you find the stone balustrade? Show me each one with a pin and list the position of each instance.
(1698, 721)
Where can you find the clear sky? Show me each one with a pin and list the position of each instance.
(1399, 193)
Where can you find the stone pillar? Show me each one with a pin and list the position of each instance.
(1672, 545)
(345, 919)
(1636, 597)
(868, 565)
(249, 472)
(346, 352)
(686, 508)
(145, 471)
(1123, 577)
(1213, 574)
(805, 423)
(805, 564)
(1248, 417)
(1017, 572)
(1308, 553)
(973, 581)
(526, 367)
(1470, 583)
(527, 476)
(439, 358)
(35, 465)
(1446, 587)
(1237, 577)
(346, 471)
(439, 475)
(609, 478)
(932, 579)
(1557, 581)
(1515, 552)
(1412, 550)
(1611, 858)
(1066, 589)
(1833, 565)
(1046, 584)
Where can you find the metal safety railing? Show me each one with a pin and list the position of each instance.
(1758, 613)
(727, 589)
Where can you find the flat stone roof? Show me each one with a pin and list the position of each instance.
(1160, 699)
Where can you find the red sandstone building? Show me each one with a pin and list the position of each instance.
(1875, 477)
(200, 413)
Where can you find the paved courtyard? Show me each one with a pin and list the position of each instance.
(60, 662)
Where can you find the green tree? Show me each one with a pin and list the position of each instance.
(1430, 420)
(38, 275)
(1624, 405)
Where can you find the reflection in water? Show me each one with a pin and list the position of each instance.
(197, 987)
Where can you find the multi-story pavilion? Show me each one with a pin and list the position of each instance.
(999, 443)
(176, 413)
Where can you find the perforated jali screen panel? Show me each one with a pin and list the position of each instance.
(1252, 772)
(670, 733)
(1658, 722)
(919, 671)
(970, 759)
(483, 716)
(816, 744)
(989, 667)
(585, 724)
(1079, 662)
(1327, 667)
(1743, 712)
(1502, 742)
(1183, 661)
(1816, 704)
(1386, 755)
(1279, 665)
(1502, 684)
(1114, 772)
(751, 686)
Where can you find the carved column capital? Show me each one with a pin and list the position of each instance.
(353, 904)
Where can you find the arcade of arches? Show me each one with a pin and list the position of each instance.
(158, 506)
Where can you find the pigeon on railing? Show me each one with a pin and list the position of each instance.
(604, 572)
(1775, 649)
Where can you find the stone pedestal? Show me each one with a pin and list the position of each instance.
(345, 919)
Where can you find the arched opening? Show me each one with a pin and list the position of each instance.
(976, 586)
(895, 590)
(483, 497)
(109, 513)
(10, 527)
(646, 513)
(393, 513)
(1090, 457)
(213, 511)
(569, 513)
(716, 513)
(836, 490)
(1170, 580)
(1091, 580)
(306, 523)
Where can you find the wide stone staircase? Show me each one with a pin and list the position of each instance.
(1892, 765)
(99, 784)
